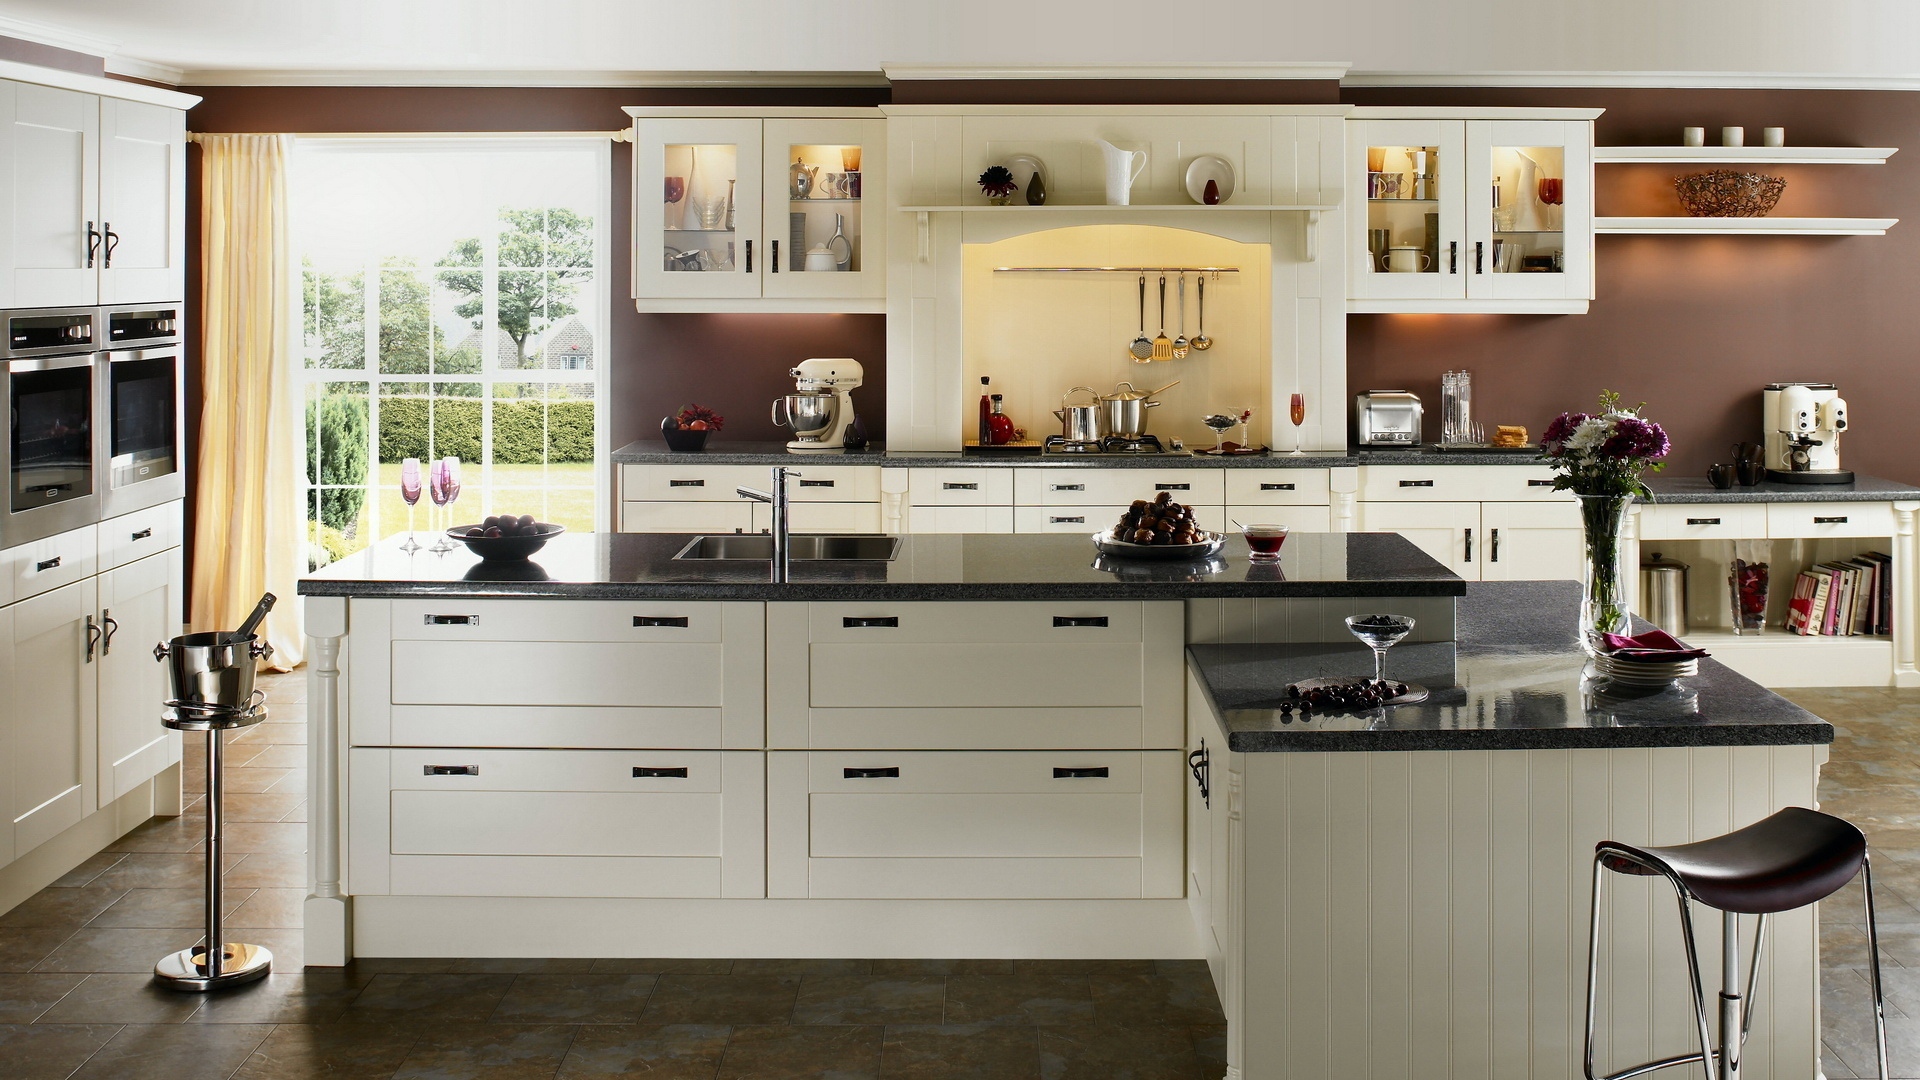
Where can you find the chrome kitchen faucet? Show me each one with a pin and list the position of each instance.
(778, 500)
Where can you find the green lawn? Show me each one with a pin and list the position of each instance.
(562, 494)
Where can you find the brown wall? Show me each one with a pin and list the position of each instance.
(1696, 325)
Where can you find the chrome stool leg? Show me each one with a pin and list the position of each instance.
(1873, 967)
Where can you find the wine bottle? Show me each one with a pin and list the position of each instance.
(999, 426)
(986, 414)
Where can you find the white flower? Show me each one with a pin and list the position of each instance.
(1592, 431)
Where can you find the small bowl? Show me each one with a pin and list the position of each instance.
(505, 548)
(1726, 193)
(681, 439)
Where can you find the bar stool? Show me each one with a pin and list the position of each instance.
(1789, 860)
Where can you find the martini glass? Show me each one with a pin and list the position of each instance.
(1379, 633)
(1220, 423)
(410, 489)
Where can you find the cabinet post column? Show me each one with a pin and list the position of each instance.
(1345, 486)
(1906, 596)
(328, 911)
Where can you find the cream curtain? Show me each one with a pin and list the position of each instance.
(247, 518)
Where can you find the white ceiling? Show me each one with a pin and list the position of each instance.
(209, 41)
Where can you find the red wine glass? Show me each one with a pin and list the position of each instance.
(1297, 412)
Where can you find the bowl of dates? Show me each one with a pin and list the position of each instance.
(505, 538)
(1160, 529)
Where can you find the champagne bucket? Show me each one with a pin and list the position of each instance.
(212, 671)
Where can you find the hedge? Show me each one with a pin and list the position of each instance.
(342, 424)
(517, 428)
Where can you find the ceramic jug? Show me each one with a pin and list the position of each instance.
(1123, 168)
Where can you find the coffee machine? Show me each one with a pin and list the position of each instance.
(1803, 422)
(820, 410)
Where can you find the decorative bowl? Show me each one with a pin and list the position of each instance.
(505, 548)
(1127, 549)
(680, 439)
(1726, 193)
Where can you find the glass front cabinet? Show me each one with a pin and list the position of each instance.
(1491, 215)
(759, 212)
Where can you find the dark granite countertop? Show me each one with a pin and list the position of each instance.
(1516, 680)
(929, 566)
(1691, 489)
(721, 452)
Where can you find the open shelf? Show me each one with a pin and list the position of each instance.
(1757, 226)
(1777, 658)
(1744, 155)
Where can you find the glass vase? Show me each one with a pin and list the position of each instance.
(1603, 585)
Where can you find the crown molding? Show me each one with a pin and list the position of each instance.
(1142, 71)
(93, 84)
(42, 34)
(135, 68)
(1663, 80)
(453, 77)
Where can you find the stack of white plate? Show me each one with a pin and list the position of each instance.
(1644, 673)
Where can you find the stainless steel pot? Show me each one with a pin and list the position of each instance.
(1079, 423)
(807, 412)
(212, 670)
(1126, 409)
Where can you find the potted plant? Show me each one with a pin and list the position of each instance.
(1603, 458)
(688, 431)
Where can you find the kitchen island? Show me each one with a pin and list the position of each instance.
(999, 746)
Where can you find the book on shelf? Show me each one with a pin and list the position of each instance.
(1843, 598)
(1883, 609)
(1822, 595)
(1800, 606)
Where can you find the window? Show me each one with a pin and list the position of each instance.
(453, 294)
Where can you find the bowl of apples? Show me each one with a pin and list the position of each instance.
(688, 431)
(506, 538)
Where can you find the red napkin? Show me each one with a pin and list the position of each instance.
(1653, 646)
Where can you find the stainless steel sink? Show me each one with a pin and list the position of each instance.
(808, 547)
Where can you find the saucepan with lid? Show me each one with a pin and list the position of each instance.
(1126, 409)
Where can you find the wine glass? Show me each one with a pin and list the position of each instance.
(437, 485)
(1552, 191)
(1297, 412)
(410, 492)
(1220, 423)
(1245, 415)
(1379, 633)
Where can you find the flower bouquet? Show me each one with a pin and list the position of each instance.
(1603, 458)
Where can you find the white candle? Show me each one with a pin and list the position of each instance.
(1733, 136)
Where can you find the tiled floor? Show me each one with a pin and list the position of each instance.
(76, 999)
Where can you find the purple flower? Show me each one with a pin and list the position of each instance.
(1635, 438)
(1562, 427)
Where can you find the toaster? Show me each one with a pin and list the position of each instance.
(1387, 418)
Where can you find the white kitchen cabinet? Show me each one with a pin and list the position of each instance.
(54, 763)
(1092, 519)
(1117, 487)
(1532, 541)
(612, 823)
(959, 519)
(140, 605)
(1447, 185)
(686, 517)
(1304, 519)
(965, 486)
(736, 234)
(974, 824)
(678, 498)
(1448, 531)
(1278, 487)
(143, 186)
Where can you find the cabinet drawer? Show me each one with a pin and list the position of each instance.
(139, 534)
(1704, 521)
(1092, 519)
(1116, 487)
(43, 565)
(686, 517)
(960, 519)
(663, 621)
(716, 483)
(1520, 483)
(467, 822)
(960, 487)
(1297, 518)
(1419, 483)
(1790, 521)
(930, 622)
(1278, 487)
(831, 517)
(965, 825)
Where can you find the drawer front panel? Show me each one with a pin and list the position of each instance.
(1278, 487)
(1704, 521)
(975, 728)
(1297, 518)
(995, 623)
(581, 727)
(1521, 483)
(960, 487)
(1116, 487)
(1092, 519)
(43, 565)
(1788, 521)
(716, 483)
(959, 519)
(555, 823)
(686, 517)
(502, 673)
(833, 517)
(139, 534)
(1420, 483)
(664, 622)
(992, 676)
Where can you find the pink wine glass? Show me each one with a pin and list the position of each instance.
(410, 489)
(442, 484)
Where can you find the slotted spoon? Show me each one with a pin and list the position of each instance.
(1181, 343)
(1142, 346)
(1163, 345)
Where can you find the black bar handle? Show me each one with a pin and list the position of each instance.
(816, 483)
(1276, 487)
(1173, 487)
(887, 772)
(1841, 520)
(1703, 521)
(46, 564)
(959, 487)
(1066, 487)
(1416, 483)
(1078, 520)
(452, 770)
(868, 622)
(453, 620)
(660, 772)
(686, 483)
(1469, 545)
(1493, 546)
(1453, 256)
(1084, 772)
(661, 620)
(774, 266)
(142, 534)
(1479, 250)
(749, 268)
(1079, 620)
(1540, 483)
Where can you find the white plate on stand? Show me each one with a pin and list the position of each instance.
(1024, 168)
(1209, 167)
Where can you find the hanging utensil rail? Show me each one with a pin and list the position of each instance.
(1215, 270)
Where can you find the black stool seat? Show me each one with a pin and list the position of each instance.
(1792, 859)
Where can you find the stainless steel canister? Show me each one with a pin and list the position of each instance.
(1663, 593)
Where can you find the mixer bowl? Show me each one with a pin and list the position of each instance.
(805, 413)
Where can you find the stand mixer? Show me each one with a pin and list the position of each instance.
(820, 410)
(1803, 422)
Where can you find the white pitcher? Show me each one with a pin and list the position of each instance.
(1123, 168)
